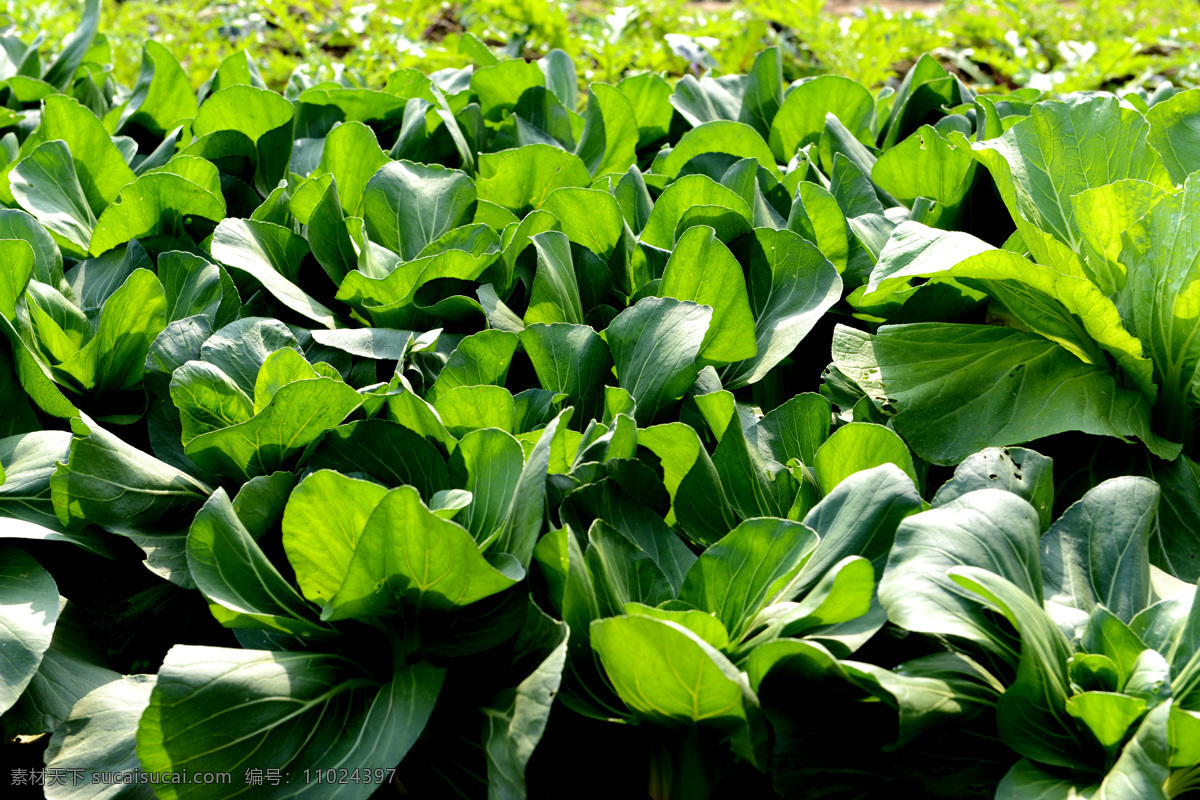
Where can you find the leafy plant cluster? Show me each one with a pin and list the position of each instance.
(440, 426)
(1046, 44)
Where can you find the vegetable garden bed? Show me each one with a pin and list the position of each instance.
(469, 435)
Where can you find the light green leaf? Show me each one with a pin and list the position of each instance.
(555, 293)
(681, 196)
(522, 178)
(61, 71)
(480, 359)
(843, 594)
(698, 501)
(263, 117)
(207, 399)
(27, 462)
(764, 91)
(70, 669)
(1027, 474)
(640, 525)
(323, 521)
(240, 348)
(707, 99)
(98, 738)
(406, 551)
(859, 446)
(1027, 781)
(1108, 715)
(1173, 545)
(743, 572)
(1173, 133)
(609, 139)
(926, 89)
(926, 165)
(571, 359)
(515, 728)
(487, 463)
(650, 97)
(561, 78)
(1098, 550)
(163, 209)
(406, 206)
(816, 216)
(393, 300)
(297, 415)
(469, 408)
(525, 518)
(162, 97)
(702, 270)
(47, 259)
(940, 689)
(390, 453)
(242, 586)
(719, 136)
(1062, 149)
(1102, 215)
(1031, 714)
(701, 623)
(500, 85)
(859, 517)
(195, 286)
(330, 239)
(669, 675)
(1161, 302)
(756, 484)
(351, 154)
(622, 572)
(588, 217)
(1141, 771)
(101, 168)
(801, 118)
(19, 257)
(110, 483)
(46, 185)
(1069, 310)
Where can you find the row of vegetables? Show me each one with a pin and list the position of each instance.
(443, 436)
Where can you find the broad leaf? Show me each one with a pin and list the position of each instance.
(406, 551)
(702, 270)
(28, 612)
(729, 578)
(1098, 550)
(46, 185)
(99, 739)
(1025, 473)
(271, 255)
(243, 588)
(790, 286)
(211, 705)
(654, 346)
(406, 206)
(988, 529)
(669, 676)
(801, 119)
(1014, 386)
